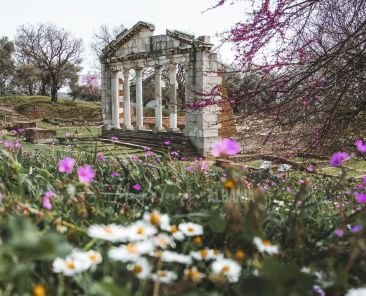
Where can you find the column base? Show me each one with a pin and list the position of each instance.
(159, 129)
(174, 130)
(128, 127)
(141, 128)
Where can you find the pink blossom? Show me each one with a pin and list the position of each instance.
(134, 157)
(225, 147)
(167, 142)
(310, 168)
(136, 187)
(114, 174)
(360, 197)
(356, 228)
(66, 165)
(100, 157)
(191, 169)
(339, 232)
(149, 153)
(46, 203)
(114, 138)
(361, 146)
(86, 173)
(338, 158)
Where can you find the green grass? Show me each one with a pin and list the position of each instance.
(68, 110)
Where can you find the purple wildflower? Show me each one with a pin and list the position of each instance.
(134, 157)
(46, 203)
(136, 187)
(191, 169)
(114, 174)
(149, 153)
(86, 173)
(338, 158)
(114, 138)
(167, 142)
(360, 197)
(225, 147)
(356, 228)
(318, 291)
(100, 157)
(66, 165)
(310, 168)
(339, 232)
(361, 146)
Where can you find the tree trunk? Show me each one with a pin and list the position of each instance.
(53, 95)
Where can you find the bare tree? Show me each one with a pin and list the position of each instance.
(50, 49)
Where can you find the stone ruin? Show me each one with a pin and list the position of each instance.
(138, 48)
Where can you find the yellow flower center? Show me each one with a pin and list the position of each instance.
(193, 274)
(108, 229)
(229, 184)
(132, 248)
(70, 264)
(266, 243)
(204, 253)
(137, 269)
(198, 240)
(39, 290)
(162, 273)
(140, 230)
(225, 269)
(93, 257)
(240, 255)
(155, 218)
(173, 229)
(190, 229)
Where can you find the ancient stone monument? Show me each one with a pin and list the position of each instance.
(138, 48)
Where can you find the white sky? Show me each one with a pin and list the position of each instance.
(84, 17)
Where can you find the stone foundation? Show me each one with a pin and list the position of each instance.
(40, 135)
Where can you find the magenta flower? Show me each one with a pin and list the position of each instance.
(310, 168)
(191, 169)
(149, 153)
(134, 157)
(46, 203)
(356, 228)
(338, 158)
(136, 187)
(66, 165)
(114, 139)
(167, 142)
(360, 197)
(339, 232)
(100, 157)
(225, 147)
(361, 146)
(114, 174)
(86, 173)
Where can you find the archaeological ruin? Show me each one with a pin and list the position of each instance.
(138, 48)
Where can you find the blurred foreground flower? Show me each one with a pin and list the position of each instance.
(265, 246)
(227, 268)
(361, 146)
(338, 158)
(86, 174)
(225, 147)
(46, 203)
(66, 165)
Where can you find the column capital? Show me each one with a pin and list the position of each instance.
(138, 71)
(158, 69)
(126, 72)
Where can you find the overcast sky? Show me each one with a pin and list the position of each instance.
(84, 17)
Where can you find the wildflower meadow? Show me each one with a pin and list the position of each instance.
(82, 223)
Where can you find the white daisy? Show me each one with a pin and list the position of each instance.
(173, 229)
(69, 266)
(228, 268)
(141, 268)
(111, 232)
(190, 229)
(356, 292)
(163, 241)
(193, 275)
(206, 254)
(164, 276)
(169, 256)
(157, 219)
(265, 246)
(131, 252)
(91, 258)
(140, 230)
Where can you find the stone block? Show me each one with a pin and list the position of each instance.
(40, 135)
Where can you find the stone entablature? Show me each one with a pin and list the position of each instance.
(138, 48)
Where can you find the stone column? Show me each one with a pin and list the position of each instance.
(139, 101)
(158, 101)
(173, 116)
(126, 99)
(115, 101)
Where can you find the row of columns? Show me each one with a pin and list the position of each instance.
(139, 100)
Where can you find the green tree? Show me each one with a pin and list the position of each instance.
(6, 64)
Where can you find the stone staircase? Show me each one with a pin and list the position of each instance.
(154, 141)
